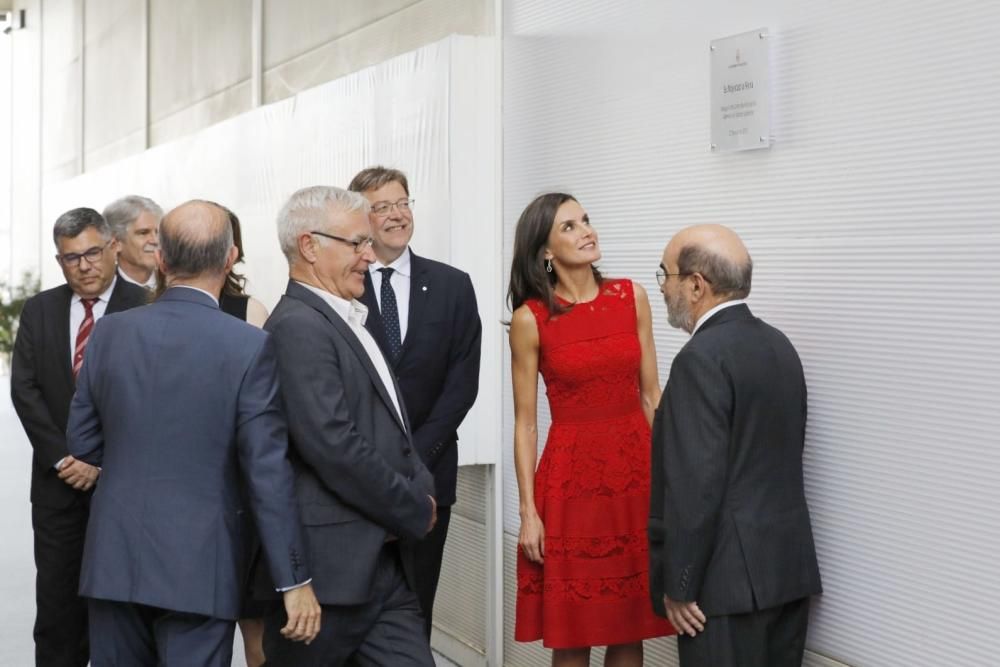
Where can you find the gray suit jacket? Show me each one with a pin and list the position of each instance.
(728, 525)
(358, 477)
(176, 401)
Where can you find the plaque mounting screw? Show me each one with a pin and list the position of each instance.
(712, 146)
(711, 47)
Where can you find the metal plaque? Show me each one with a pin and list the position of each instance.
(740, 92)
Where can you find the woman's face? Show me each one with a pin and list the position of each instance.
(572, 241)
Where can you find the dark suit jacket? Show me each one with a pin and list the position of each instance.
(42, 384)
(438, 369)
(729, 527)
(176, 401)
(357, 477)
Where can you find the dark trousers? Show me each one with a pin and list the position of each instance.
(123, 634)
(387, 630)
(61, 617)
(428, 554)
(773, 637)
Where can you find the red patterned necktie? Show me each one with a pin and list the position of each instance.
(83, 334)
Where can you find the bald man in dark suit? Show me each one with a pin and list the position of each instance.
(733, 562)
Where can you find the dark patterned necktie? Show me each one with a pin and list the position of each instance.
(390, 315)
(83, 334)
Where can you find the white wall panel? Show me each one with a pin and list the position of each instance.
(873, 225)
(431, 113)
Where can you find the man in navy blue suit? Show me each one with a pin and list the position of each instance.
(424, 316)
(176, 402)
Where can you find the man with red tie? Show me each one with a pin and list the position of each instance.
(51, 343)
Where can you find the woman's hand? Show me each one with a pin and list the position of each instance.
(532, 537)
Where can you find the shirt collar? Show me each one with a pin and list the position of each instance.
(722, 306)
(352, 311)
(401, 264)
(105, 296)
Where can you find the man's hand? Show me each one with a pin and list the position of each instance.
(81, 476)
(686, 617)
(303, 614)
(434, 514)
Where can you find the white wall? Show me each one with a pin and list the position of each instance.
(431, 113)
(873, 225)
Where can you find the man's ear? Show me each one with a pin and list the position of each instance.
(160, 264)
(231, 258)
(307, 248)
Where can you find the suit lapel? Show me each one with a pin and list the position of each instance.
(300, 293)
(419, 291)
(60, 333)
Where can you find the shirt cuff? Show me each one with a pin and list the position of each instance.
(58, 465)
(294, 586)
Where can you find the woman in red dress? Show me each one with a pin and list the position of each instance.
(582, 568)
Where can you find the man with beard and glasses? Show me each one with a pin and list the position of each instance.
(135, 222)
(732, 559)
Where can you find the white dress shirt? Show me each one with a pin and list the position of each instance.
(721, 306)
(150, 284)
(400, 281)
(355, 313)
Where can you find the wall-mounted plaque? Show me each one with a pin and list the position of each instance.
(740, 92)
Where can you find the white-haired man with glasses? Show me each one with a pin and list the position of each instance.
(364, 494)
(51, 342)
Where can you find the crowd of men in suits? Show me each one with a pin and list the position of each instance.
(157, 428)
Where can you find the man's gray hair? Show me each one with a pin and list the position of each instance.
(121, 213)
(309, 209)
(728, 278)
(72, 223)
(188, 257)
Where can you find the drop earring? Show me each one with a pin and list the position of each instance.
(548, 266)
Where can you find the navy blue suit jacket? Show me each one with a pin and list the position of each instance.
(176, 401)
(438, 369)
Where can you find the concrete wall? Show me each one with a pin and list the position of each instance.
(98, 80)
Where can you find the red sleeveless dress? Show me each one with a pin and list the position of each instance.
(592, 482)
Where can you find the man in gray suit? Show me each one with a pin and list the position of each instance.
(732, 560)
(365, 496)
(176, 402)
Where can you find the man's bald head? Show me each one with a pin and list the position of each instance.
(196, 240)
(716, 253)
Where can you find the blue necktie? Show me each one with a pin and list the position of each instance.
(390, 315)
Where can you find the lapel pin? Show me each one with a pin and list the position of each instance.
(424, 288)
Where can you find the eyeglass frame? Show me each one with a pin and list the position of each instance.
(662, 275)
(401, 205)
(92, 255)
(359, 245)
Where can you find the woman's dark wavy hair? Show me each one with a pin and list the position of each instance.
(528, 277)
(235, 282)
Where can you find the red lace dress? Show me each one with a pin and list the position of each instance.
(592, 483)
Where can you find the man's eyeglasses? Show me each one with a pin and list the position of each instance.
(72, 259)
(662, 275)
(382, 208)
(360, 245)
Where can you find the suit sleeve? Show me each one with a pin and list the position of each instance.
(461, 385)
(84, 433)
(262, 446)
(47, 439)
(694, 442)
(325, 437)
